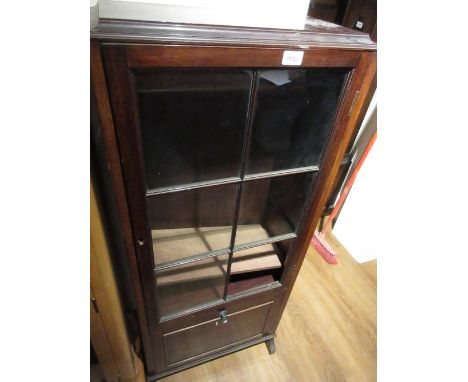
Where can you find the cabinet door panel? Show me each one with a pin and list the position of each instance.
(214, 335)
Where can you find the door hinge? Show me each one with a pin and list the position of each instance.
(353, 102)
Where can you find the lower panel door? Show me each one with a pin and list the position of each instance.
(205, 333)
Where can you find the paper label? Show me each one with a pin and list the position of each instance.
(292, 57)
(359, 24)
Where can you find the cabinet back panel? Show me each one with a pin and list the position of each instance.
(204, 207)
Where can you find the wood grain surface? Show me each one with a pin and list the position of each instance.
(183, 240)
(327, 333)
(179, 243)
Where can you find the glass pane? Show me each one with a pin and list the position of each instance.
(293, 117)
(188, 223)
(257, 266)
(189, 285)
(272, 206)
(192, 124)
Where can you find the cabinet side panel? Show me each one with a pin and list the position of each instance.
(113, 160)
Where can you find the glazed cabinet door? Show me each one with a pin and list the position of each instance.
(221, 152)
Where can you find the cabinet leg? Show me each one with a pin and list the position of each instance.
(270, 344)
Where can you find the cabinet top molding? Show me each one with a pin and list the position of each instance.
(316, 33)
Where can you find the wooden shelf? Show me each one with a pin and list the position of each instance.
(255, 259)
(178, 297)
(199, 270)
(176, 244)
(250, 232)
(251, 283)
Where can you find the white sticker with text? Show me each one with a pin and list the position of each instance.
(292, 57)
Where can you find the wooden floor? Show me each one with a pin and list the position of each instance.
(327, 333)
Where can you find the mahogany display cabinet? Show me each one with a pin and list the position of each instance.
(222, 145)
